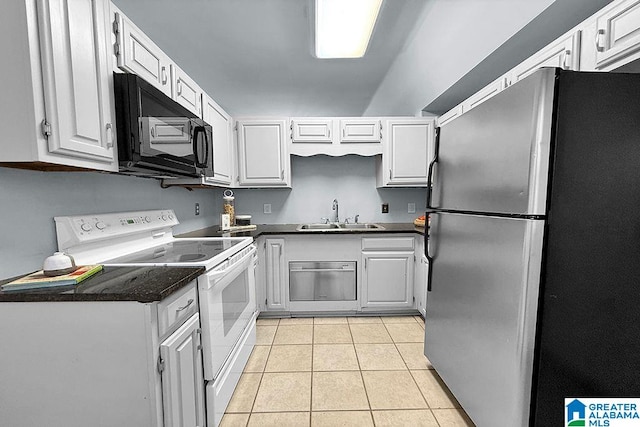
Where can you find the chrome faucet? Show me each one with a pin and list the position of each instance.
(356, 218)
(335, 208)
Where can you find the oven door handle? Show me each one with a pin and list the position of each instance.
(214, 277)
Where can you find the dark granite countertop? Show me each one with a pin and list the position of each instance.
(142, 284)
(266, 229)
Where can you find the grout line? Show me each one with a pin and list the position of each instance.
(313, 338)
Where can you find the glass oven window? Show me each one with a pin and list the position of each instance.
(235, 299)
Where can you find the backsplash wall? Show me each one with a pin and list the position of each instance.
(317, 181)
(30, 200)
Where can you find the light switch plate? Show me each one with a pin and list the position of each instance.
(411, 208)
(267, 208)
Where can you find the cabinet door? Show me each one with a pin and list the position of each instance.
(186, 91)
(408, 152)
(387, 279)
(276, 270)
(78, 99)
(182, 378)
(450, 115)
(222, 140)
(137, 54)
(483, 94)
(563, 53)
(262, 158)
(618, 35)
(311, 130)
(360, 130)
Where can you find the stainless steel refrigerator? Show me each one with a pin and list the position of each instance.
(534, 248)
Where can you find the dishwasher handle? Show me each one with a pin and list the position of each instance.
(300, 270)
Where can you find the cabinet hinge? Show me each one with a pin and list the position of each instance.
(236, 127)
(46, 128)
(116, 27)
(265, 302)
(160, 365)
(116, 49)
(414, 299)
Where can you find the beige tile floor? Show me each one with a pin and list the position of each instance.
(342, 371)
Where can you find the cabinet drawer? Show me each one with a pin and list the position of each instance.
(387, 243)
(360, 130)
(175, 309)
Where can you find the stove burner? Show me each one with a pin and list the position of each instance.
(191, 257)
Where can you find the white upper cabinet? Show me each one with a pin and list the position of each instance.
(78, 95)
(408, 149)
(263, 160)
(335, 136)
(58, 108)
(617, 35)
(563, 53)
(483, 94)
(221, 123)
(186, 91)
(137, 54)
(311, 130)
(360, 130)
(450, 115)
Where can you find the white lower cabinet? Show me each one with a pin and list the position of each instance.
(275, 271)
(111, 363)
(182, 380)
(420, 282)
(384, 279)
(387, 279)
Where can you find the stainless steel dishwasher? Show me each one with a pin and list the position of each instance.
(322, 281)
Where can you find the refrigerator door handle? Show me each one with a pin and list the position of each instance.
(427, 238)
(431, 168)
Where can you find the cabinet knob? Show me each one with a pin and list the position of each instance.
(179, 86)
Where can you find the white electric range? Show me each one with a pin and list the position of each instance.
(226, 291)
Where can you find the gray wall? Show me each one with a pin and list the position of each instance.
(317, 181)
(453, 37)
(29, 200)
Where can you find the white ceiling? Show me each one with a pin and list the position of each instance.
(255, 57)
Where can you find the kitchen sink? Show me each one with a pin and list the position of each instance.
(338, 227)
(318, 227)
(362, 227)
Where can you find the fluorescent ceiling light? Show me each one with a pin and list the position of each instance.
(344, 27)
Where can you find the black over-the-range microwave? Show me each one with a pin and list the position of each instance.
(157, 137)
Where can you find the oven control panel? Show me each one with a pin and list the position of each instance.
(73, 230)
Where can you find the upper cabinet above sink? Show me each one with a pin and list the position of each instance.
(335, 136)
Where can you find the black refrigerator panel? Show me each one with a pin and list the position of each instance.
(588, 341)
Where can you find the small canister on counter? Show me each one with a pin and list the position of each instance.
(228, 206)
(243, 219)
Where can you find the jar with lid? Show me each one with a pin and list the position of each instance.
(228, 206)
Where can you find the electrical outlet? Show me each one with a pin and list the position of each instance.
(267, 208)
(197, 208)
(385, 208)
(411, 208)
